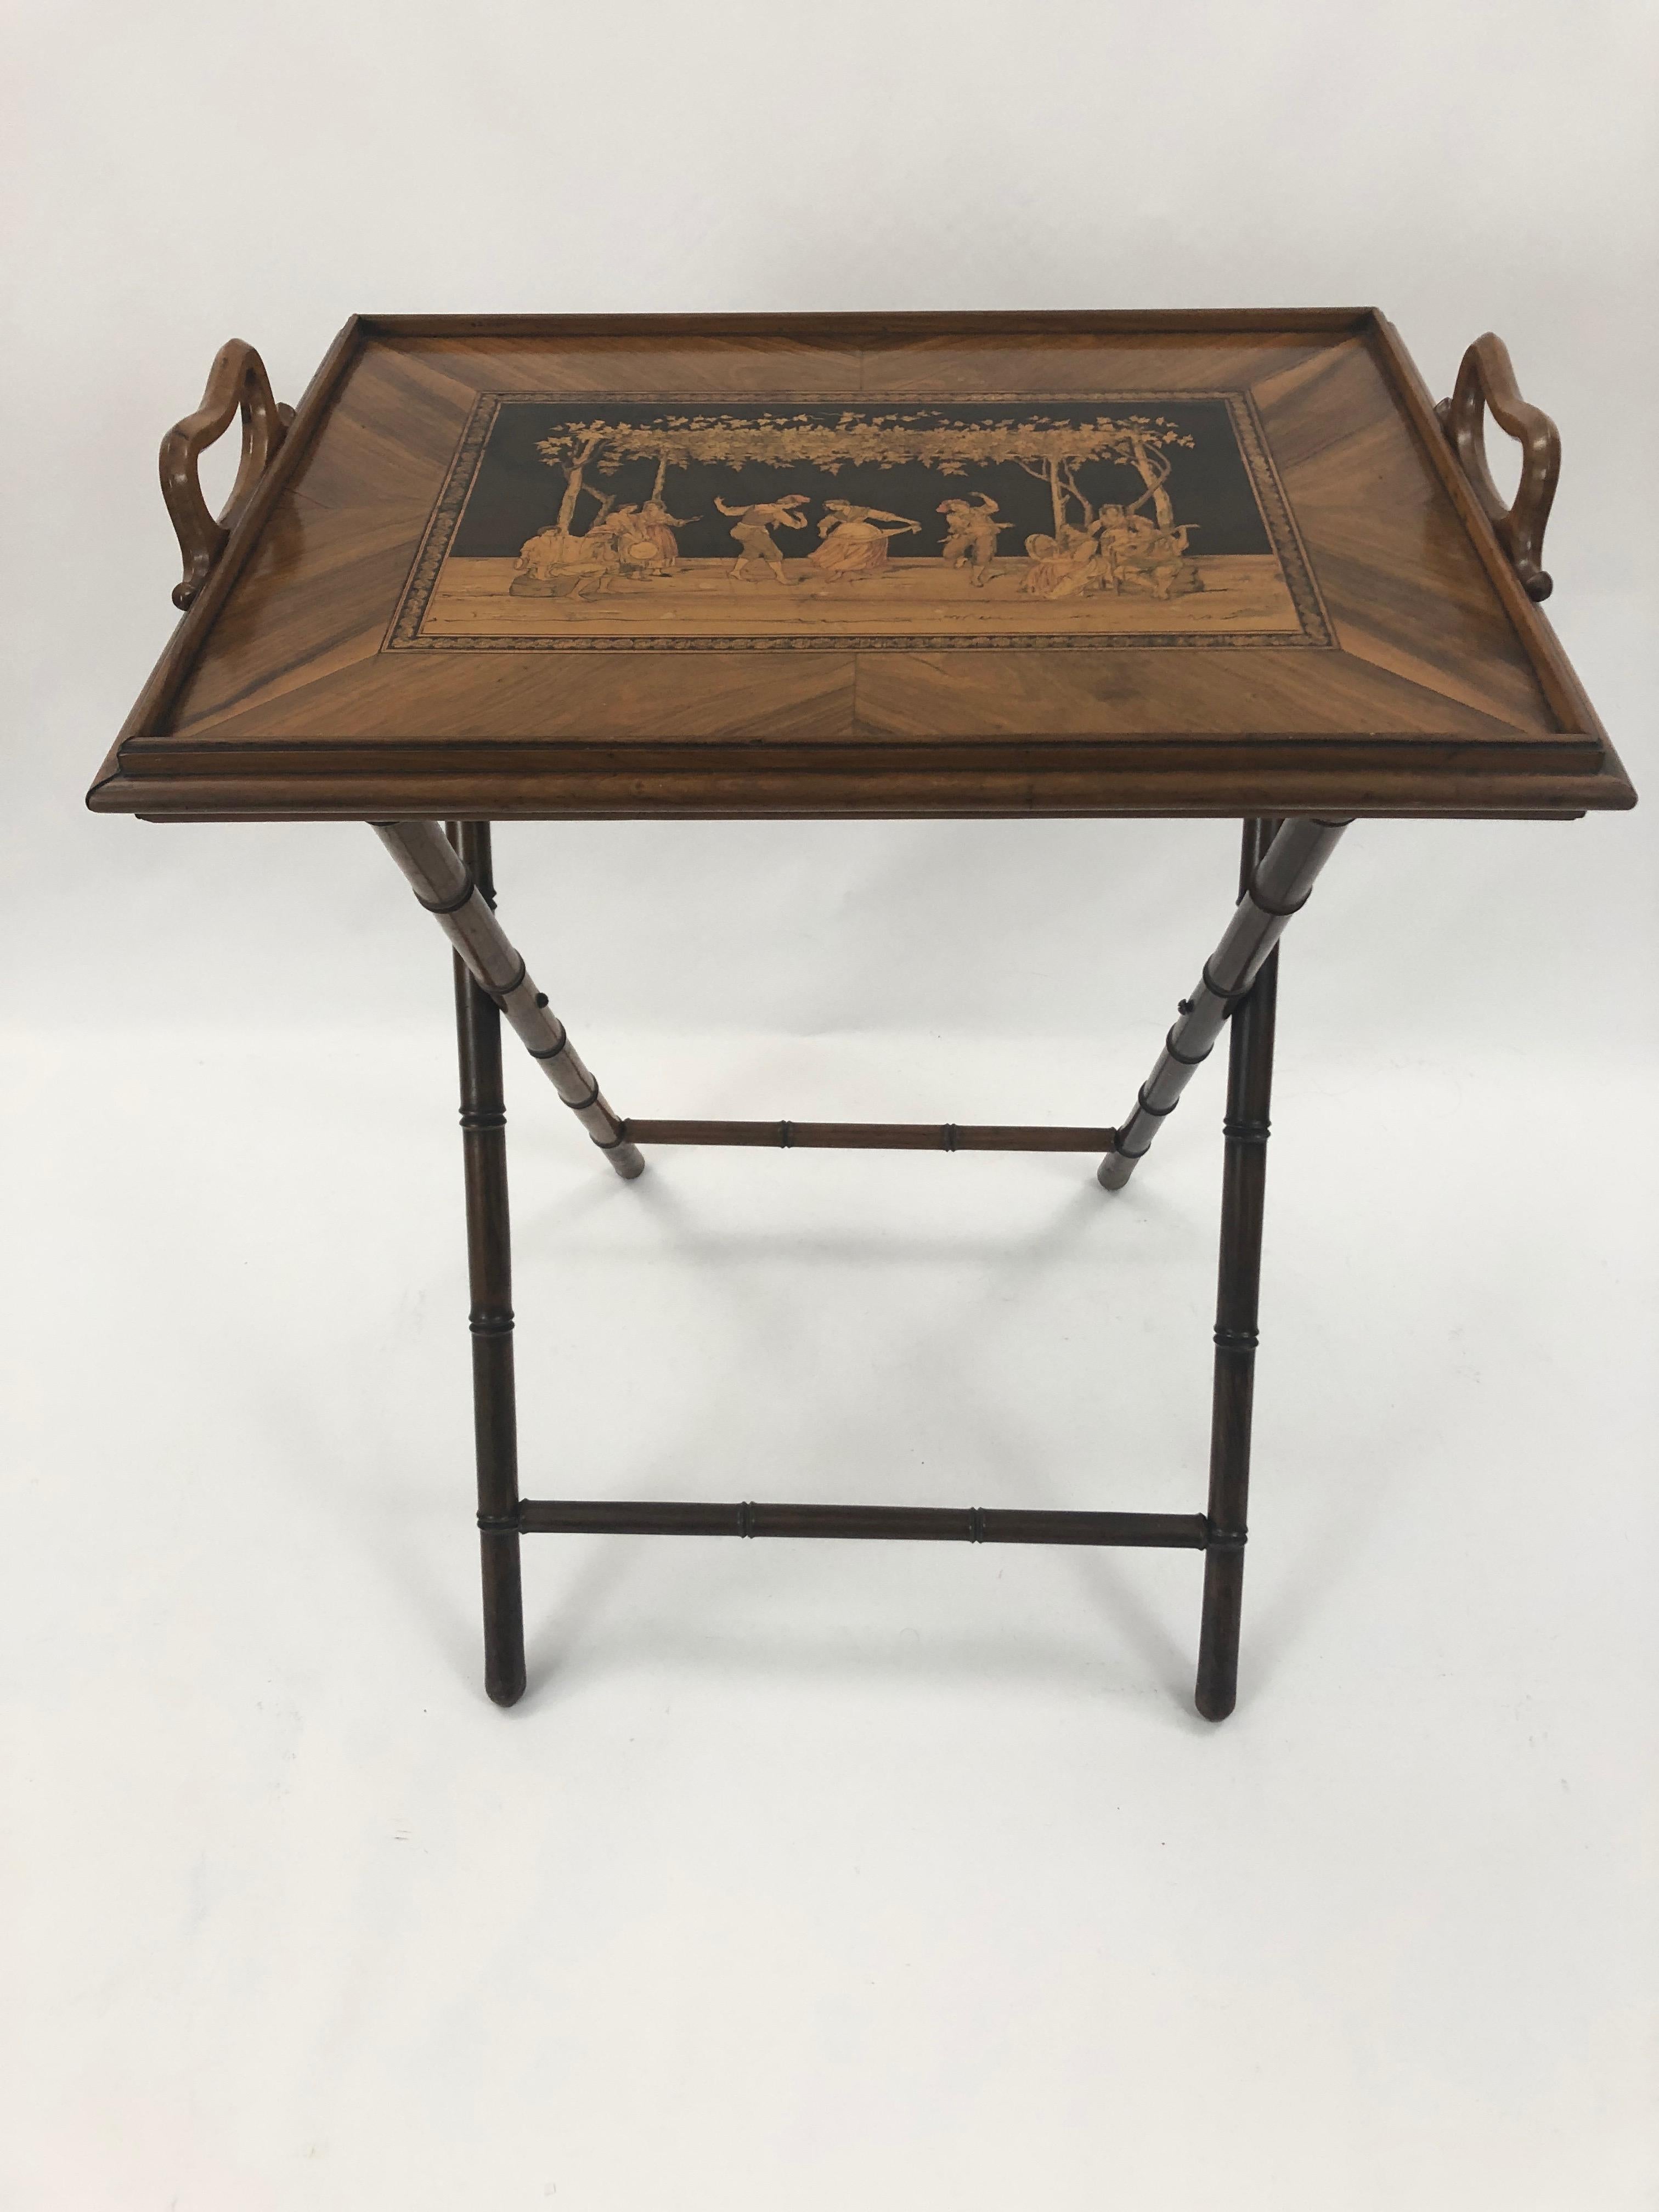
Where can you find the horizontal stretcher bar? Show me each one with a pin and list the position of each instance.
(873, 1136)
(1188, 1532)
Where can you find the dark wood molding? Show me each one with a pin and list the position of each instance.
(860, 324)
(1434, 783)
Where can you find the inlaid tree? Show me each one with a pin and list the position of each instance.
(1047, 448)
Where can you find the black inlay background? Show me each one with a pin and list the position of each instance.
(516, 493)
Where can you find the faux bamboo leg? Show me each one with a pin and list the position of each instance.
(489, 1273)
(1276, 885)
(447, 888)
(1243, 1184)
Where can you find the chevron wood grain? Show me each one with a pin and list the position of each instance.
(380, 637)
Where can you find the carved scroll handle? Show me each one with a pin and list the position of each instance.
(1486, 381)
(236, 381)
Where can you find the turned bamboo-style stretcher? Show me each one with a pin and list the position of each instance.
(374, 630)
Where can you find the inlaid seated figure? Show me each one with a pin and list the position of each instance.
(539, 559)
(1139, 555)
(1063, 564)
(555, 564)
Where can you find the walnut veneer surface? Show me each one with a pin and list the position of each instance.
(1415, 677)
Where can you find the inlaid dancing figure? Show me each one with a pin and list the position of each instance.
(854, 543)
(753, 529)
(971, 532)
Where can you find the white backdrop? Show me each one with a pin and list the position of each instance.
(805, 1875)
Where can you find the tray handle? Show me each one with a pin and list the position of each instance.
(236, 381)
(1486, 381)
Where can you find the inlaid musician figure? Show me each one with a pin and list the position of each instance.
(652, 549)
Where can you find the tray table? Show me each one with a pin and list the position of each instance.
(554, 567)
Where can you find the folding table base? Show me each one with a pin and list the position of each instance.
(452, 877)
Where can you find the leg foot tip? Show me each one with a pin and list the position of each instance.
(1213, 1708)
(507, 1693)
(1113, 1171)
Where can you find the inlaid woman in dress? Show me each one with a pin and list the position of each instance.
(659, 550)
(854, 543)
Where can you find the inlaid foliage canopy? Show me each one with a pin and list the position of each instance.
(1091, 564)
(987, 523)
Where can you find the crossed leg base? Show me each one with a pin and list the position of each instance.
(452, 877)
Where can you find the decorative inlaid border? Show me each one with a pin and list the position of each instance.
(1274, 508)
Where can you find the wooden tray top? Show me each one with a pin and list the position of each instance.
(1203, 563)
